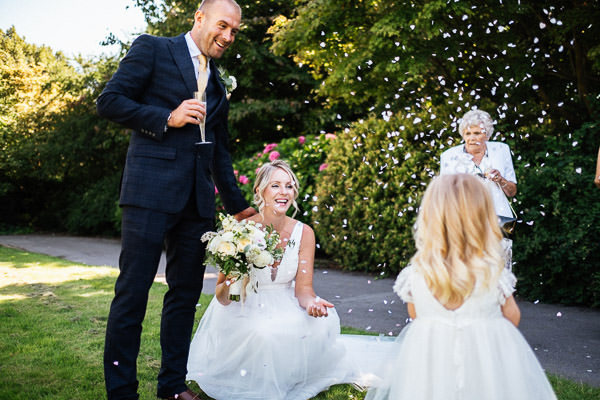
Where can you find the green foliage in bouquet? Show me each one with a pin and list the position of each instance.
(237, 247)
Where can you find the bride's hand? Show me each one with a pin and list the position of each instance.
(229, 280)
(318, 308)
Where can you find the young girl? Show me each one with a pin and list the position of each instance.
(282, 342)
(463, 342)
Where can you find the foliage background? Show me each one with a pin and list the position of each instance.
(390, 80)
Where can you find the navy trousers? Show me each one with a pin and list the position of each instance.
(144, 235)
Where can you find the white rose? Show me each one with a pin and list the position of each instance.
(263, 259)
(213, 245)
(227, 236)
(242, 243)
(226, 248)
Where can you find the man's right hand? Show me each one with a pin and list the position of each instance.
(189, 112)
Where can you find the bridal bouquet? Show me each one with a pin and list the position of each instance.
(237, 247)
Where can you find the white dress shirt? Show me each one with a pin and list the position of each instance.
(194, 53)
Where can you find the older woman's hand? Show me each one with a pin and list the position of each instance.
(508, 187)
(494, 176)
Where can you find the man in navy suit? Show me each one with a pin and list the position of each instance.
(168, 190)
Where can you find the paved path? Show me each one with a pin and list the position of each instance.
(566, 340)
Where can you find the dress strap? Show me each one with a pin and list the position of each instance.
(296, 236)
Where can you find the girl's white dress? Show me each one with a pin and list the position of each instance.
(471, 353)
(268, 347)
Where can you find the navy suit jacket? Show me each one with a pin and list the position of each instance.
(162, 168)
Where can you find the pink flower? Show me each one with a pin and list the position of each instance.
(301, 139)
(269, 147)
(330, 136)
(216, 190)
(256, 170)
(235, 172)
(244, 179)
(322, 167)
(274, 155)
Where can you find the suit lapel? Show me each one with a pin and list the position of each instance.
(219, 100)
(181, 55)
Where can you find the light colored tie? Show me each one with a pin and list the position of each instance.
(202, 73)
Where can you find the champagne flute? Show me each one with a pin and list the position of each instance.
(201, 97)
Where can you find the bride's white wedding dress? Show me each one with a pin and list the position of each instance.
(471, 353)
(269, 348)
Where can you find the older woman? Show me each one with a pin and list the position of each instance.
(491, 161)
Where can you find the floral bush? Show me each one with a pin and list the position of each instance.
(305, 154)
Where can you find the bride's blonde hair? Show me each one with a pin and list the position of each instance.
(262, 181)
(458, 239)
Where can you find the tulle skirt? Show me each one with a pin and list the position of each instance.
(487, 359)
(269, 348)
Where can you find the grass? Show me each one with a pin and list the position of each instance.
(52, 321)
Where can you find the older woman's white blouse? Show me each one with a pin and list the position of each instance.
(456, 160)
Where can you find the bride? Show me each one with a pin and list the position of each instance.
(282, 341)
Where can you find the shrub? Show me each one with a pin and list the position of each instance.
(367, 201)
(368, 196)
(94, 209)
(305, 154)
(556, 248)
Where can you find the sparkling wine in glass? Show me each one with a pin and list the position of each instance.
(201, 97)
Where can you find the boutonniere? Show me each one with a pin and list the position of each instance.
(228, 81)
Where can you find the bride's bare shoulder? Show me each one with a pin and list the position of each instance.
(308, 234)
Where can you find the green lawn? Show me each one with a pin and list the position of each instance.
(52, 320)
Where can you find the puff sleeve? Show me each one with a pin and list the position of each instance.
(402, 286)
(506, 285)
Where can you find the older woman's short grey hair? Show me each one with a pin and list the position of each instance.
(476, 118)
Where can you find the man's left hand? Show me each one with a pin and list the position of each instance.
(247, 213)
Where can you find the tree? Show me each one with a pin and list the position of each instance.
(54, 146)
(397, 67)
(274, 95)
(381, 56)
